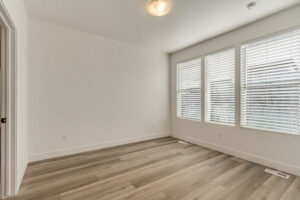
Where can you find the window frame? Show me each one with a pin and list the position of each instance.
(274, 34)
(234, 47)
(201, 88)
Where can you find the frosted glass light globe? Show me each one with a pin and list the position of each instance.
(159, 7)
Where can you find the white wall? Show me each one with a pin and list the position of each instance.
(272, 149)
(17, 12)
(88, 92)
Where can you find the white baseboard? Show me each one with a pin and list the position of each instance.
(244, 155)
(20, 176)
(80, 149)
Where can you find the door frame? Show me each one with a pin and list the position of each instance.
(9, 183)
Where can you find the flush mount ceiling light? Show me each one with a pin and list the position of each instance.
(159, 7)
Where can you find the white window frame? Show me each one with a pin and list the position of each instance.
(241, 83)
(206, 83)
(201, 85)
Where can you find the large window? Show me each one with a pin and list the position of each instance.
(189, 90)
(270, 83)
(219, 87)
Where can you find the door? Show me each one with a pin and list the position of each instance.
(2, 112)
(0, 116)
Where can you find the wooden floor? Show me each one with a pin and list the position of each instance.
(161, 169)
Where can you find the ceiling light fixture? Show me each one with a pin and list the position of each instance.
(159, 7)
(251, 5)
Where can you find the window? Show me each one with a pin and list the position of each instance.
(189, 90)
(270, 83)
(220, 87)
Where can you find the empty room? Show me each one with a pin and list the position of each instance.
(150, 99)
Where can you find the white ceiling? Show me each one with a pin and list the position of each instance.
(190, 21)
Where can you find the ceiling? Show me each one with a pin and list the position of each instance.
(189, 22)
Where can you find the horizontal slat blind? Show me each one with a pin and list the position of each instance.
(270, 83)
(189, 90)
(220, 87)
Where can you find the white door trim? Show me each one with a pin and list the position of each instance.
(8, 160)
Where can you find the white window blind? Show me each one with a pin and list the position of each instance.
(189, 90)
(270, 83)
(220, 87)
